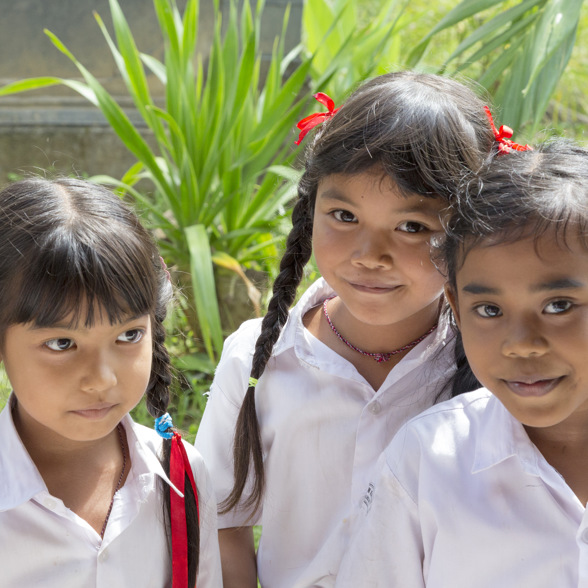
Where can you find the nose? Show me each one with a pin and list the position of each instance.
(524, 339)
(373, 250)
(98, 373)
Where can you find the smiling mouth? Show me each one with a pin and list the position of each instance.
(539, 387)
(373, 288)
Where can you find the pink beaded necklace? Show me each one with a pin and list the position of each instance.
(379, 357)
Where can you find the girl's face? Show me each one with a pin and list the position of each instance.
(78, 383)
(372, 245)
(522, 309)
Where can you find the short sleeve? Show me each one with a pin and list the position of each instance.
(209, 567)
(214, 439)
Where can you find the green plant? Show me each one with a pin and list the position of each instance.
(217, 187)
(517, 50)
(524, 51)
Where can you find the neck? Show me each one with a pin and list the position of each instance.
(378, 338)
(47, 447)
(570, 435)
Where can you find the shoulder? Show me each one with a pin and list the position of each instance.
(465, 408)
(444, 430)
(152, 442)
(242, 341)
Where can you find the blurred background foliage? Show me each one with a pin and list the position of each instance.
(216, 190)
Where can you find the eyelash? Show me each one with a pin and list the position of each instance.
(338, 213)
(139, 334)
(478, 308)
(568, 306)
(421, 227)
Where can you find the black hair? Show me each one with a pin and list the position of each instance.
(423, 131)
(71, 249)
(520, 195)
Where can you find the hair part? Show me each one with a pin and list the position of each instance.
(72, 251)
(424, 131)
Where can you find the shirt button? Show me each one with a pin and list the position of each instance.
(50, 503)
(375, 407)
(103, 555)
(585, 535)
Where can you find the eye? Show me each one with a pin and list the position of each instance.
(59, 344)
(131, 336)
(344, 216)
(488, 311)
(411, 227)
(558, 307)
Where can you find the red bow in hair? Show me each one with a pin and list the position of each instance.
(308, 123)
(503, 135)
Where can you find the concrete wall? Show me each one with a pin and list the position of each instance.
(55, 128)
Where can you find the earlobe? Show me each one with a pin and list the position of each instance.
(451, 297)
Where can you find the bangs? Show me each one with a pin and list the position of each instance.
(76, 280)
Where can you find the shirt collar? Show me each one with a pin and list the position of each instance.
(501, 437)
(294, 335)
(313, 296)
(145, 446)
(19, 477)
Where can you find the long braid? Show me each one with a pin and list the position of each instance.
(157, 400)
(247, 444)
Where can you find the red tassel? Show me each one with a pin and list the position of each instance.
(179, 467)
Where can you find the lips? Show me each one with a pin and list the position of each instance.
(95, 411)
(532, 386)
(373, 287)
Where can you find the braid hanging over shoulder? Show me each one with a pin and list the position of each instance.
(247, 443)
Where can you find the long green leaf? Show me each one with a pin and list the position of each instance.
(204, 289)
(462, 11)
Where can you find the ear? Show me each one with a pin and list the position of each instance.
(451, 297)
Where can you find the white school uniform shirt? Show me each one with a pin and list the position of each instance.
(465, 499)
(322, 427)
(46, 545)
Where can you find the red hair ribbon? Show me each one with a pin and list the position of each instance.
(503, 135)
(178, 468)
(308, 123)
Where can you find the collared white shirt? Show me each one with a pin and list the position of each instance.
(323, 427)
(46, 545)
(464, 499)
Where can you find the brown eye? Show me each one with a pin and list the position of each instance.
(344, 216)
(411, 227)
(488, 311)
(558, 307)
(60, 344)
(131, 336)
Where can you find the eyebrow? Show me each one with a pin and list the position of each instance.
(68, 327)
(420, 208)
(558, 284)
(334, 194)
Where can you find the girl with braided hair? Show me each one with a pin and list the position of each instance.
(89, 498)
(304, 401)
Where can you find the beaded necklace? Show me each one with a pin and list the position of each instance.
(120, 479)
(379, 357)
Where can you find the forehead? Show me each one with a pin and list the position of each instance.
(375, 186)
(531, 264)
